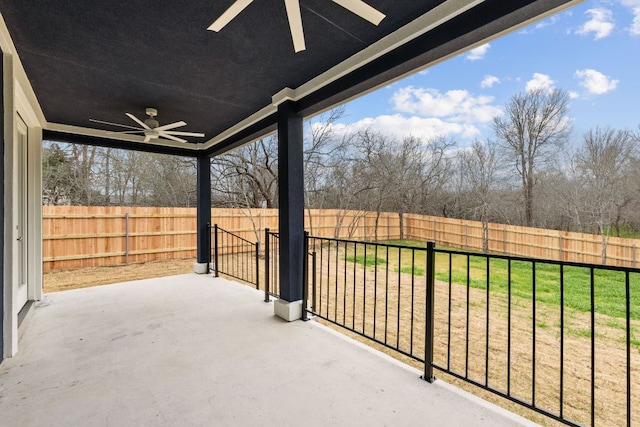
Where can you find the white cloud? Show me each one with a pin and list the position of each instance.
(547, 22)
(634, 6)
(489, 81)
(400, 126)
(574, 95)
(595, 82)
(601, 23)
(455, 105)
(635, 25)
(479, 52)
(428, 113)
(540, 81)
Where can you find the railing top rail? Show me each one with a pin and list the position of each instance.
(539, 260)
(236, 236)
(360, 242)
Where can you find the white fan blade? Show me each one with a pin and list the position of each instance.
(229, 14)
(295, 24)
(126, 132)
(147, 138)
(363, 10)
(171, 126)
(113, 124)
(179, 133)
(171, 137)
(138, 121)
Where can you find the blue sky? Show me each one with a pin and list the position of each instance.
(592, 51)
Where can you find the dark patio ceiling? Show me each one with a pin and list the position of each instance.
(88, 59)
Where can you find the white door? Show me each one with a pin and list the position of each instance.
(20, 214)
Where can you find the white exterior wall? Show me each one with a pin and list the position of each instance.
(19, 99)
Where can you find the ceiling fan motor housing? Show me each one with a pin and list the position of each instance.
(152, 123)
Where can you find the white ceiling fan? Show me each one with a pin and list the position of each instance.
(151, 129)
(357, 7)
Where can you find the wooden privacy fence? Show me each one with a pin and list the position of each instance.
(92, 236)
(524, 241)
(80, 236)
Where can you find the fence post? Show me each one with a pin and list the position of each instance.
(504, 240)
(215, 250)
(305, 276)
(267, 256)
(466, 237)
(258, 265)
(561, 248)
(434, 230)
(429, 314)
(126, 238)
(634, 254)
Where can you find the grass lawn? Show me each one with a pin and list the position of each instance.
(609, 291)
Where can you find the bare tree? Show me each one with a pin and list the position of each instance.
(603, 167)
(84, 159)
(397, 176)
(324, 150)
(481, 167)
(534, 126)
(247, 176)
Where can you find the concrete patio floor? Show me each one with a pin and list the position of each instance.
(191, 350)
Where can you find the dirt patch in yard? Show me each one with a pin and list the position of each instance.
(95, 276)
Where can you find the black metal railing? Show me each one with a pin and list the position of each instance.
(271, 264)
(557, 338)
(373, 290)
(235, 256)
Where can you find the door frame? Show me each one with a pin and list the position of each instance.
(20, 229)
(18, 99)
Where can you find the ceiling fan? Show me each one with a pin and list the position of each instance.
(357, 7)
(151, 129)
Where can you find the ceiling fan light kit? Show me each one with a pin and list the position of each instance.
(357, 7)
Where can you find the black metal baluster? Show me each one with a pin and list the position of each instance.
(533, 355)
(364, 292)
(466, 351)
(628, 326)
(399, 281)
(413, 287)
(486, 362)
(509, 285)
(375, 291)
(449, 315)
(561, 341)
(267, 266)
(355, 257)
(593, 349)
